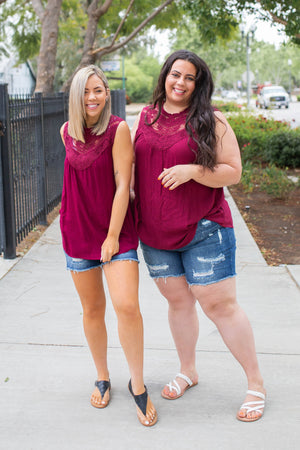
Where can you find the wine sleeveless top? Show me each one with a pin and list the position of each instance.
(88, 193)
(167, 219)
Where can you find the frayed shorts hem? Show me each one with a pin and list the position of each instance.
(212, 282)
(155, 278)
(77, 265)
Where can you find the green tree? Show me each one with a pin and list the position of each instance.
(221, 14)
(227, 58)
(98, 27)
(141, 72)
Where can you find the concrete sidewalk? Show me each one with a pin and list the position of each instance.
(47, 374)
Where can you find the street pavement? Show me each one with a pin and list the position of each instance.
(47, 373)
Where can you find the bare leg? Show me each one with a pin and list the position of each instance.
(89, 286)
(218, 302)
(184, 324)
(122, 279)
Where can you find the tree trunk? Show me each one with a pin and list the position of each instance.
(94, 14)
(47, 55)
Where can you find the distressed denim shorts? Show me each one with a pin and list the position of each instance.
(207, 259)
(82, 265)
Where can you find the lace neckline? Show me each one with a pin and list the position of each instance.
(175, 114)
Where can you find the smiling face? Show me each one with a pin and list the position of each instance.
(95, 95)
(180, 84)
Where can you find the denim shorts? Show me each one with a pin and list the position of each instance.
(207, 259)
(82, 265)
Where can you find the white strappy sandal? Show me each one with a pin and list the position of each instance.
(257, 406)
(173, 386)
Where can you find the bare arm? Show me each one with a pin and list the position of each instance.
(62, 132)
(133, 132)
(122, 153)
(227, 171)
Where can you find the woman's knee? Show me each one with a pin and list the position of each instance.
(219, 308)
(94, 311)
(128, 309)
(177, 292)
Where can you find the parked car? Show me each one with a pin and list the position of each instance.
(273, 96)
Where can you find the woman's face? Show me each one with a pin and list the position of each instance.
(95, 96)
(180, 83)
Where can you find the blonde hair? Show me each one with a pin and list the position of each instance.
(77, 113)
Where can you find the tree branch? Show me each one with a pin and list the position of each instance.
(103, 8)
(122, 22)
(111, 48)
(278, 19)
(39, 9)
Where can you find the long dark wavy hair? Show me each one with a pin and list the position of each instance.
(200, 122)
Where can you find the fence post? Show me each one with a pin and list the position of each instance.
(8, 185)
(118, 102)
(43, 219)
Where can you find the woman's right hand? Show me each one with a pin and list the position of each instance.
(109, 248)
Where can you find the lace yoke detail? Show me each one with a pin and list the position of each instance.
(81, 155)
(169, 128)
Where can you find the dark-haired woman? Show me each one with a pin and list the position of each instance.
(185, 153)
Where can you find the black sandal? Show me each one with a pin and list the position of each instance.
(102, 386)
(141, 401)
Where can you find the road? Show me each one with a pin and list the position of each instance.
(292, 114)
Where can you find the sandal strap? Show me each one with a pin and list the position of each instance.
(140, 399)
(103, 385)
(185, 378)
(256, 394)
(260, 404)
(248, 410)
(174, 386)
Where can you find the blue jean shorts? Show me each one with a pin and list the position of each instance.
(207, 259)
(82, 265)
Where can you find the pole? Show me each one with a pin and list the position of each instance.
(248, 71)
(123, 71)
(8, 176)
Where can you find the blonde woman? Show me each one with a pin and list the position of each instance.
(98, 231)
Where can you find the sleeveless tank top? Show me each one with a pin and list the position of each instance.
(168, 219)
(88, 193)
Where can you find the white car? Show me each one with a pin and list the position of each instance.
(273, 96)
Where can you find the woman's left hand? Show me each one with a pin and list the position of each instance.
(175, 176)
(109, 248)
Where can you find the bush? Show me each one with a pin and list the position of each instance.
(270, 179)
(264, 140)
(283, 149)
(250, 176)
(275, 182)
(227, 106)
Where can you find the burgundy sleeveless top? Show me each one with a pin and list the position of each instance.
(168, 219)
(88, 193)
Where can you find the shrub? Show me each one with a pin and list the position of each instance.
(227, 106)
(264, 140)
(250, 176)
(270, 179)
(275, 182)
(283, 149)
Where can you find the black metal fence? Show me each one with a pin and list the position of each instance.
(32, 161)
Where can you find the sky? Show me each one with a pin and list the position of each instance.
(266, 31)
